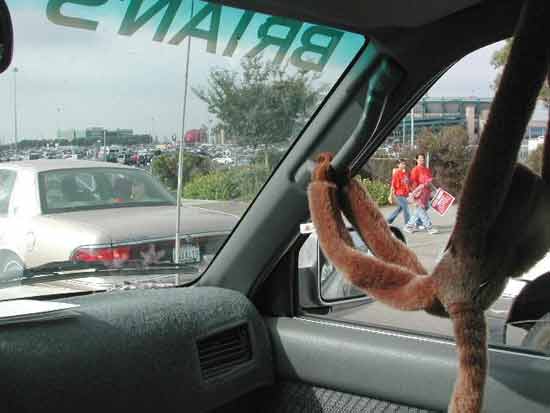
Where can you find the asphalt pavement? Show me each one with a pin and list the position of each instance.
(426, 246)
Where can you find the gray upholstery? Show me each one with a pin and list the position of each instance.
(293, 397)
(130, 351)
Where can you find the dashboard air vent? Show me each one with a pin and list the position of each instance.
(222, 352)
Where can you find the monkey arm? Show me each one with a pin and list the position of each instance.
(390, 283)
(490, 174)
(375, 230)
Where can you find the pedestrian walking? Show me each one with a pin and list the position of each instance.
(399, 192)
(421, 190)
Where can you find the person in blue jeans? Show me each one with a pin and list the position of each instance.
(421, 189)
(399, 191)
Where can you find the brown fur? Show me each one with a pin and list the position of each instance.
(501, 228)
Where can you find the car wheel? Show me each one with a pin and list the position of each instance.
(11, 265)
(538, 337)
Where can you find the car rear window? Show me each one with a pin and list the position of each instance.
(93, 188)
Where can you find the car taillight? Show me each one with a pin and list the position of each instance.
(102, 254)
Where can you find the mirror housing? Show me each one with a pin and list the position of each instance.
(6, 37)
(320, 285)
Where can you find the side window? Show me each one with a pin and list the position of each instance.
(437, 140)
(7, 181)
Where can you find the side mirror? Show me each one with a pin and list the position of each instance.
(6, 37)
(320, 283)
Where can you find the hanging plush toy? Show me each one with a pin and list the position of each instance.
(502, 226)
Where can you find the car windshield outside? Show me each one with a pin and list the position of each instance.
(109, 107)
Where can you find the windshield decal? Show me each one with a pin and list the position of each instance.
(311, 52)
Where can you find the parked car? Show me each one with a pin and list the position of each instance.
(100, 213)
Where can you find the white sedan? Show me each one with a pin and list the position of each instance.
(96, 212)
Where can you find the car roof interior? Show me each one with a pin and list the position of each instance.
(145, 350)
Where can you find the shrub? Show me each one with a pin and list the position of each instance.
(450, 156)
(535, 159)
(379, 169)
(240, 183)
(165, 167)
(378, 190)
(218, 185)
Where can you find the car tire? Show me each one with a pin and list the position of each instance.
(538, 337)
(11, 265)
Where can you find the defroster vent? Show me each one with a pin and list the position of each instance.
(224, 351)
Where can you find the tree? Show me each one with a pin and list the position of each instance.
(166, 168)
(534, 161)
(260, 104)
(450, 155)
(498, 60)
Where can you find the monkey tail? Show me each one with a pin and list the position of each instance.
(471, 341)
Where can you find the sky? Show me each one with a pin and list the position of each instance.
(70, 77)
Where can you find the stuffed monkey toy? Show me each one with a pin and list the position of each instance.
(502, 226)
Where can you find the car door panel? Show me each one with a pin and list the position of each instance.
(406, 369)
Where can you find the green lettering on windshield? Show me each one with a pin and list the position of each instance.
(53, 11)
(283, 43)
(325, 52)
(244, 21)
(133, 23)
(191, 28)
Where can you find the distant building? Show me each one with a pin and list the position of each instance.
(468, 112)
(125, 133)
(194, 136)
(95, 133)
(71, 134)
(120, 134)
(536, 128)
(436, 113)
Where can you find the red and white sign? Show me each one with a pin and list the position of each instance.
(442, 201)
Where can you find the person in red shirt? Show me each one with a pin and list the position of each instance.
(400, 191)
(421, 190)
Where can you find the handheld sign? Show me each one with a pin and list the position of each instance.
(442, 201)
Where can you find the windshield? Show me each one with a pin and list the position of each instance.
(131, 83)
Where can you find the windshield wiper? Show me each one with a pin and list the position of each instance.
(66, 270)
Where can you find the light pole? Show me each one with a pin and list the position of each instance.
(15, 70)
(412, 127)
(58, 132)
(105, 144)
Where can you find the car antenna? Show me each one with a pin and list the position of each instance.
(180, 157)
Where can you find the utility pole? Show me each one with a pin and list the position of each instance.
(15, 70)
(404, 137)
(412, 128)
(105, 144)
